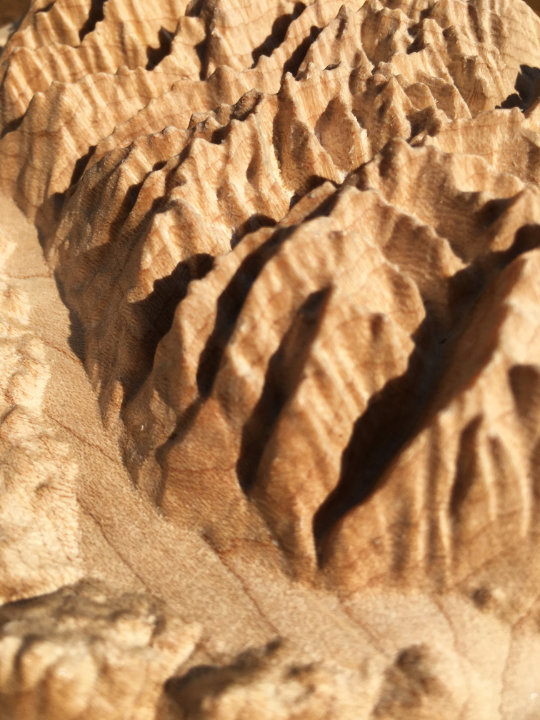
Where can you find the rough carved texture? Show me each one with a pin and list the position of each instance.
(84, 652)
(299, 245)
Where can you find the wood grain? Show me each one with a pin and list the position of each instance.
(269, 388)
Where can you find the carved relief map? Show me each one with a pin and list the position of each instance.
(269, 360)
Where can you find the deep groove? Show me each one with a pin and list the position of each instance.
(194, 8)
(282, 378)
(397, 413)
(183, 425)
(51, 209)
(12, 125)
(311, 183)
(126, 206)
(525, 85)
(245, 107)
(465, 467)
(156, 312)
(45, 9)
(81, 165)
(389, 421)
(277, 34)
(159, 203)
(293, 63)
(203, 48)
(252, 224)
(95, 15)
(475, 22)
(229, 306)
(233, 296)
(76, 339)
(157, 54)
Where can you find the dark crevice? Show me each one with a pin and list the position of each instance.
(472, 11)
(159, 165)
(45, 9)
(12, 125)
(378, 435)
(416, 31)
(160, 204)
(278, 32)
(157, 54)
(125, 208)
(527, 88)
(245, 107)
(48, 217)
(465, 467)
(293, 63)
(342, 27)
(252, 224)
(525, 383)
(205, 11)
(81, 165)
(417, 45)
(156, 312)
(282, 378)
(423, 121)
(310, 184)
(396, 414)
(50, 212)
(96, 15)
(76, 339)
(229, 306)
(202, 53)
(184, 423)
(195, 8)
(326, 206)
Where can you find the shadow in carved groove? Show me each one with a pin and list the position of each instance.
(293, 63)
(527, 89)
(277, 34)
(466, 467)
(96, 15)
(397, 413)
(76, 339)
(198, 8)
(229, 306)
(155, 313)
(45, 9)
(50, 211)
(282, 378)
(12, 125)
(310, 184)
(252, 224)
(81, 165)
(242, 110)
(157, 54)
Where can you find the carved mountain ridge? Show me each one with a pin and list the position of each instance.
(298, 243)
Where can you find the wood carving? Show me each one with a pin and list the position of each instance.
(270, 379)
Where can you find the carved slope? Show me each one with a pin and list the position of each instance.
(299, 244)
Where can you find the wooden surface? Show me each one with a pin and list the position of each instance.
(270, 392)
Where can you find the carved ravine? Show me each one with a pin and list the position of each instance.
(270, 360)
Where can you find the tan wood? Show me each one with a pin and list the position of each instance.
(269, 360)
